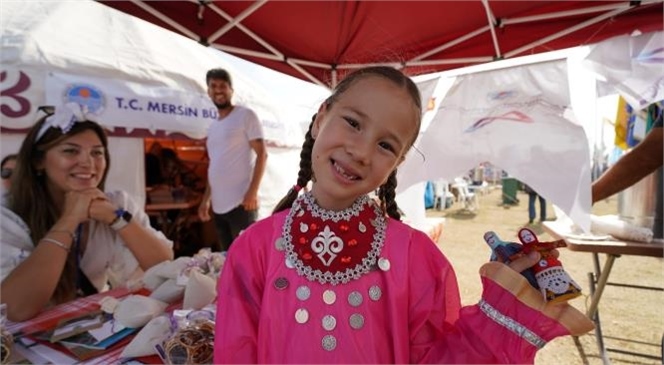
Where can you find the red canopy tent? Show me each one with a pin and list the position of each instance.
(319, 41)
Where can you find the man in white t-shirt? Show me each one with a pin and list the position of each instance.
(237, 155)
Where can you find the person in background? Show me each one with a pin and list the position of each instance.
(233, 178)
(7, 170)
(642, 160)
(532, 196)
(63, 236)
(333, 276)
(175, 172)
(153, 166)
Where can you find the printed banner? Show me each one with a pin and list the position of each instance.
(119, 103)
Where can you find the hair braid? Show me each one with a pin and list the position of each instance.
(304, 175)
(386, 193)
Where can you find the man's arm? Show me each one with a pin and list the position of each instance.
(645, 158)
(204, 207)
(250, 201)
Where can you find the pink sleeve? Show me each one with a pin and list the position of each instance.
(441, 331)
(241, 287)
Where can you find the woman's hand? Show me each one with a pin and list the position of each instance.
(102, 210)
(78, 204)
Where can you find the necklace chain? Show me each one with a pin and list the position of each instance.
(307, 201)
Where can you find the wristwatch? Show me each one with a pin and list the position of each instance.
(122, 218)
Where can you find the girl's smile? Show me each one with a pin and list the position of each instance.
(345, 173)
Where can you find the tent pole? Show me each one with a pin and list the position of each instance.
(311, 63)
(450, 61)
(305, 73)
(567, 31)
(562, 14)
(221, 31)
(248, 32)
(167, 20)
(451, 44)
(334, 77)
(492, 23)
(247, 52)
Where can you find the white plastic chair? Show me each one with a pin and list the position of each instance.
(469, 199)
(440, 192)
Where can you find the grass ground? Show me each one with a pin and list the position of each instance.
(632, 319)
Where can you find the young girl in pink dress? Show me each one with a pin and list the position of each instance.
(334, 276)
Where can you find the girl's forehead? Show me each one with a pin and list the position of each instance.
(375, 94)
(372, 89)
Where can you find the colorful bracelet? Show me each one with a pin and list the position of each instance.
(57, 243)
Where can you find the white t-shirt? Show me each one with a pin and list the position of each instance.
(231, 157)
(106, 259)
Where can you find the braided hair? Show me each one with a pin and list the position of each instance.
(305, 173)
(386, 192)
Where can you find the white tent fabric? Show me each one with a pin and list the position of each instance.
(633, 65)
(515, 119)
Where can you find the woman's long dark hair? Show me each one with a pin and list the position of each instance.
(386, 192)
(29, 197)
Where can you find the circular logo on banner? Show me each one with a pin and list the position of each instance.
(86, 95)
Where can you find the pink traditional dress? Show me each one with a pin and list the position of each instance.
(316, 286)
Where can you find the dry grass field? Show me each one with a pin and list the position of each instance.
(632, 319)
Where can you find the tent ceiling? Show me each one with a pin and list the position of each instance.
(320, 41)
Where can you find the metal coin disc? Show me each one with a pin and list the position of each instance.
(375, 293)
(384, 264)
(329, 342)
(279, 244)
(329, 322)
(301, 316)
(303, 292)
(355, 298)
(356, 321)
(329, 297)
(281, 283)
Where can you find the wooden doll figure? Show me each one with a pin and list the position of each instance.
(506, 252)
(553, 281)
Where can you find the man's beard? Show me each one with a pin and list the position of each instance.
(221, 106)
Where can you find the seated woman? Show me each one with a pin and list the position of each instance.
(62, 235)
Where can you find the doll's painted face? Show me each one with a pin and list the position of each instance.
(527, 236)
(76, 163)
(490, 238)
(360, 140)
